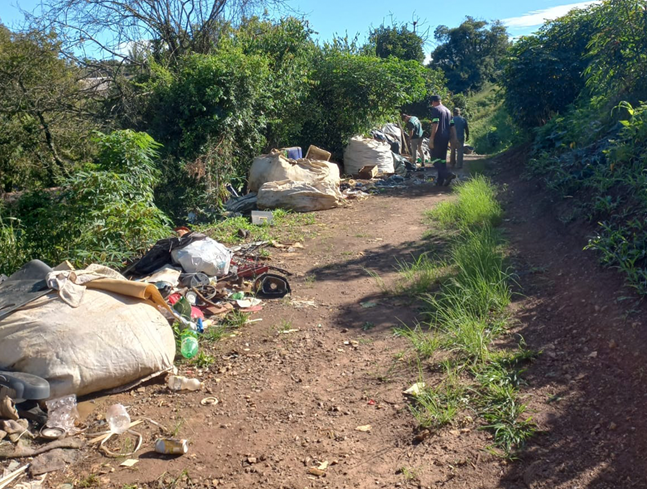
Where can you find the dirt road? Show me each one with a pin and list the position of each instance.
(294, 388)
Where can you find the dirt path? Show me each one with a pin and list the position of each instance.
(289, 401)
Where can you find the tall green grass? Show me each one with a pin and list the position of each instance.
(466, 316)
(476, 205)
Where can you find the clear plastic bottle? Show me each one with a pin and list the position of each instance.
(179, 383)
(118, 418)
(189, 343)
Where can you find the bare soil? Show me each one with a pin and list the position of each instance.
(289, 401)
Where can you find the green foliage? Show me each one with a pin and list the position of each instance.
(397, 41)
(543, 73)
(618, 50)
(470, 54)
(593, 152)
(104, 214)
(466, 316)
(492, 128)
(354, 93)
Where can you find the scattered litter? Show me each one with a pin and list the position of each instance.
(179, 383)
(118, 418)
(206, 255)
(323, 465)
(9, 478)
(368, 304)
(288, 331)
(262, 218)
(7, 409)
(316, 472)
(302, 304)
(171, 446)
(209, 401)
(364, 428)
(299, 196)
(62, 413)
(415, 389)
(247, 303)
(128, 463)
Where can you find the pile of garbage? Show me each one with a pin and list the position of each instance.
(66, 333)
(283, 179)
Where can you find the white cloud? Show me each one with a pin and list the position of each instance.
(538, 17)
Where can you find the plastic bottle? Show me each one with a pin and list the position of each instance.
(189, 343)
(179, 383)
(118, 418)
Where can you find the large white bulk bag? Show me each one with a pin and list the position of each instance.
(362, 152)
(108, 341)
(275, 167)
(298, 196)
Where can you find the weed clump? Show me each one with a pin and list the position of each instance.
(476, 205)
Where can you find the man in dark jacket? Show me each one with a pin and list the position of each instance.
(442, 132)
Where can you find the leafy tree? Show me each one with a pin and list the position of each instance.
(354, 93)
(45, 111)
(470, 54)
(544, 72)
(397, 41)
(618, 49)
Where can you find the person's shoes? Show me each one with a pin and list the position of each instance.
(449, 179)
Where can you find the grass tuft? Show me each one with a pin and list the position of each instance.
(476, 205)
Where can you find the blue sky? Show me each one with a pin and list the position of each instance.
(330, 17)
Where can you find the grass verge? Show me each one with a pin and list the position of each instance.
(464, 318)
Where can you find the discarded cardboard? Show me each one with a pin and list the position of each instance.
(318, 154)
(368, 172)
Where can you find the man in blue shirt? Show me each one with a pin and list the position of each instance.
(413, 128)
(462, 134)
(442, 130)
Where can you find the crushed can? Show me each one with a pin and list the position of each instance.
(172, 446)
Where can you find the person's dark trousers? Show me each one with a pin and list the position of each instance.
(441, 166)
(439, 157)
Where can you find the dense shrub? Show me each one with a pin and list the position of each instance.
(104, 213)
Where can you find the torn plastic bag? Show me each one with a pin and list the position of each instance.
(160, 254)
(298, 196)
(206, 256)
(110, 340)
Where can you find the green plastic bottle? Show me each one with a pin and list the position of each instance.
(189, 343)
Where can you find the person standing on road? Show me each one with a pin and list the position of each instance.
(462, 134)
(413, 128)
(442, 131)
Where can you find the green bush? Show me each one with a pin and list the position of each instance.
(103, 215)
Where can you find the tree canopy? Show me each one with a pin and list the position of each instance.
(470, 54)
(397, 41)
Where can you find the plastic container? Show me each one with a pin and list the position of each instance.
(189, 343)
(118, 418)
(179, 383)
(262, 217)
(62, 412)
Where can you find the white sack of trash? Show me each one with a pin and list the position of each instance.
(362, 152)
(298, 196)
(108, 341)
(275, 167)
